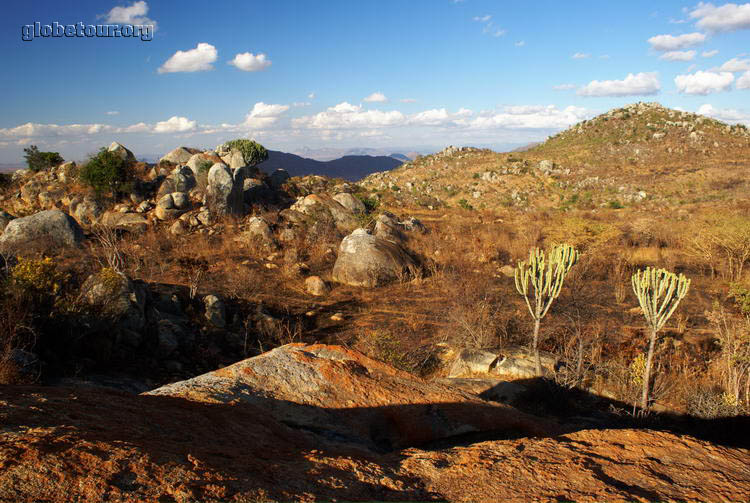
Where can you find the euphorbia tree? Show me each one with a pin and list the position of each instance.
(545, 274)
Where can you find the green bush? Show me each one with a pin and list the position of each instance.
(463, 203)
(252, 153)
(107, 171)
(204, 166)
(37, 161)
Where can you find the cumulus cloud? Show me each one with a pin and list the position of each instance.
(311, 96)
(346, 115)
(639, 84)
(736, 65)
(724, 114)
(36, 130)
(175, 124)
(264, 115)
(744, 81)
(728, 17)
(520, 43)
(249, 62)
(703, 83)
(113, 112)
(580, 55)
(141, 127)
(564, 87)
(132, 14)
(529, 117)
(482, 19)
(194, 60)
(709, 54)
(376, 98)
(678, 55)
(672, 43)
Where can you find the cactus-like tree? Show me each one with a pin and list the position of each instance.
(659, 292)
(545, 274)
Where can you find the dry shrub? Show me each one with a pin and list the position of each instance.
(733, 364)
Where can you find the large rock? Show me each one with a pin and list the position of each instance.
(307, 386)
(258, 233)
(117, 297)
(181, 179)
(180, 155)
(366, 260)
(351, 203)
(202, 159)
(130, 222)
(5, 219)
(224, 191)
(278, 178)
(123, 152)
(512, 362)
(305, 423)
(48, 230)
(88, 211)
(323, 206)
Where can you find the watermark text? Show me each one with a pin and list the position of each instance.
(38, 30)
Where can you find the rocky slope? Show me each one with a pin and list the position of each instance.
(315, 423)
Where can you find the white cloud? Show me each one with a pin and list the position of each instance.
(376, 98)
(520, 43)
(482, 19)
(249, 62)
(264, 115)
(113, 112)
(604, 56)
(644, 83)
(703, 83)
(499, 33)
(728, 17)
(36, 130)
(580, 55)
(744, 81)
(175, 124)
(298, 104)
(141, 127)
(564, 87)
(193, 60)
(408, 100)
(530, 117)
(736, 65)
(724, 114)
(678, 55)
(672, 43)
(346, 115)
(311, 96)
(710, 54)
(133, 14)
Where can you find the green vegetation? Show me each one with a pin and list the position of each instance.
(204, 165)
(38, 161)
(463, 203)
(252, 153)
(107, 171)
(659, 292)
(546, 273)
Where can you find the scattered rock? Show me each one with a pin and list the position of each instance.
(215, 311)
(49, 229)
(369, 261)
(351, 203)
(314, 285)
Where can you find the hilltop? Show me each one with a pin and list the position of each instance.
(348, 167)
(642, 154)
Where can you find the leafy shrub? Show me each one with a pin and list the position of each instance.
(252, 153)
(615, 205)
(371, 204)
(37, 161)
(107, 171)
(37, 277)
(463, 203)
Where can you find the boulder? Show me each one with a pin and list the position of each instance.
(258, 232)
(88, 211)
(369, 261)
(314, 285)
(49, 229)
(215, 311)
(512, 362)
(388, 228)
(224, 190)
(120, 150)
(172, 205)
(323, 206)
(181, 179)
(129, 222)
(234, 159)
(198, 160)
(278, 178)
(118, 297)
(180, 155)
(351, 203)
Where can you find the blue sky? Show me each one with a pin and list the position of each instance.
(304, 76)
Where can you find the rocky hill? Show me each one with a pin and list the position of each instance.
(642, 154)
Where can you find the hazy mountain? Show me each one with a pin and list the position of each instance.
(349, 167)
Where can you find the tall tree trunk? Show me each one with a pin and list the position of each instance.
(537, 359)
(647, 371)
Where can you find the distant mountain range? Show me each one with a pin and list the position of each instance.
(349, 167)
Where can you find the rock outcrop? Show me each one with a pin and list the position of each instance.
(224, 192)
(180, 155)
(323, 423)
(369, 261)
(47, 229)
(123, 152)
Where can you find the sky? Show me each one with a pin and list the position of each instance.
(310, 76)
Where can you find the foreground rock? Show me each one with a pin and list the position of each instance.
(47, 229)
(304, 423)
(369, 261)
